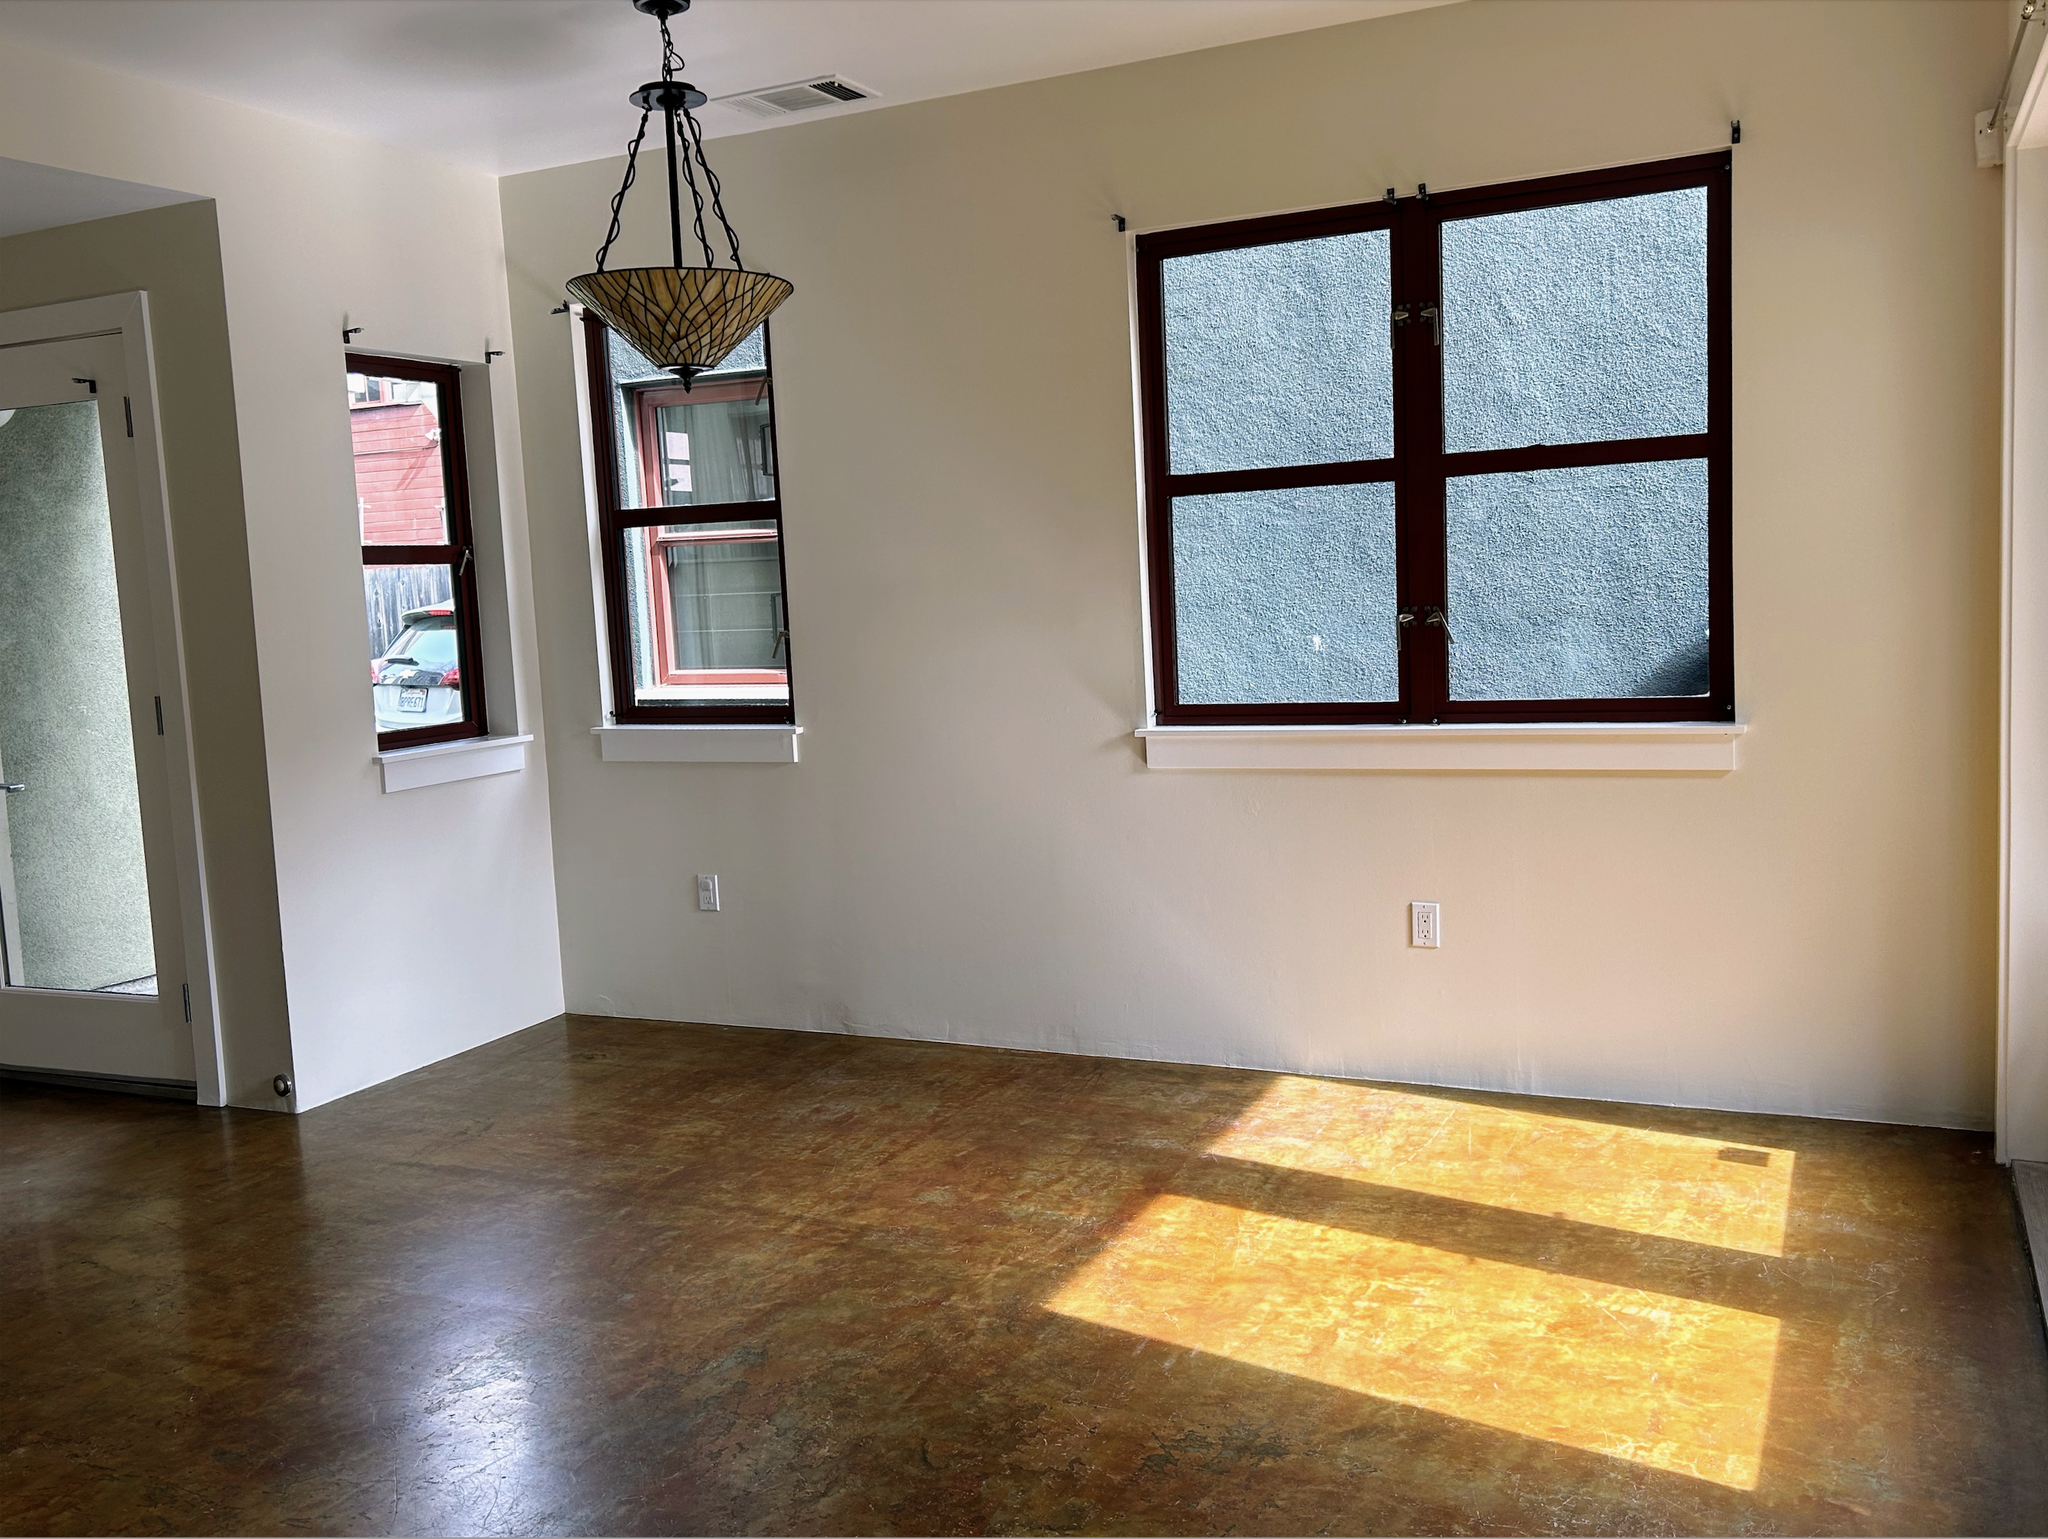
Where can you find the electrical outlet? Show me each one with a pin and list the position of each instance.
(707, 894)
(1425, 925)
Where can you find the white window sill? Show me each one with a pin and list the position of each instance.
(735, 743)
(1616, 748)
(407, 769)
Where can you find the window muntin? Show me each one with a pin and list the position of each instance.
(1556, 465)
(696, 614)
(419, 577)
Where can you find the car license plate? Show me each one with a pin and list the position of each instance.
(412, 699)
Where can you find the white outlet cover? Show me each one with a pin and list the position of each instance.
(707, 894)
(1425, 925)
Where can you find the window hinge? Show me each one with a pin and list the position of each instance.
(186, 990)
(128, 411)
(159, 715)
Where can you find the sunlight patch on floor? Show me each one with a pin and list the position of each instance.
(1671, 1383)
(1635, 1179)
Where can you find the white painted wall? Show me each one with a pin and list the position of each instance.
(972, 848)
(412, 926)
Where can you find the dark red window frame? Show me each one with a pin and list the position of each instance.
(1420, 467)
(458, 553)
(658, 525)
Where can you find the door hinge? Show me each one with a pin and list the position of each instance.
(186, 988)
(159, 715)
(128, 411)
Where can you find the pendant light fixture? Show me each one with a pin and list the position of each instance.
(683, 319)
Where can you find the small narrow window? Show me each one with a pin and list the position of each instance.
(691, 523)
(1462, 458)
(419, 568)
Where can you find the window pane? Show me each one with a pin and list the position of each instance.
(1576, 324)
(401, 477)
(710, 444)
(1278, 355)
(1579, 584)
(415, 647)
(705, 615)
(1286, 596)
(74, 886)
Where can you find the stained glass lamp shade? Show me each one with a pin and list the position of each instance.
(686, 319)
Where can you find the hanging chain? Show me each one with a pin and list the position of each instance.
(692, 152)
(717, 202)
(619, 199)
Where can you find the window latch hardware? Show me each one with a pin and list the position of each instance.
(1402, 621)
(465, 562)
(1431, 615)
(1436, 324)
(9, 787)
(1400, 318)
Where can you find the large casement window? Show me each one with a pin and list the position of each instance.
(419, 568)
(1460, 457)
(691, 523)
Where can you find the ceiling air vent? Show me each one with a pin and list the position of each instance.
(800, 96)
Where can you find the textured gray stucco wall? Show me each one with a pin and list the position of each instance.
(1577, 584)
(1576, 324)
(1283, 596)
(1278, 355)
(76, 832)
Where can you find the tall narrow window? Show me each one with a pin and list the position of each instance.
(419, 569)
(1462, 458)
(692, 529)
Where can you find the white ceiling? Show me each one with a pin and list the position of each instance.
(514, 85)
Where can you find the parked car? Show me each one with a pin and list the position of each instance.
(418, 682)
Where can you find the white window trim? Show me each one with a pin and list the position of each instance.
(702, 743)
(1624, 748)
(436, 764)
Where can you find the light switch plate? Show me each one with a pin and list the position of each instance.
(707, 894)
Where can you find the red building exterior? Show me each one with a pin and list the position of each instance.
(400, 491)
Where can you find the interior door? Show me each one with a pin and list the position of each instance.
(92, 970)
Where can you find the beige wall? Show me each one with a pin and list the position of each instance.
(174, 254)
(972, 849)
(412, 926)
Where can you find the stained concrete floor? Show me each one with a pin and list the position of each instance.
(618, 1277)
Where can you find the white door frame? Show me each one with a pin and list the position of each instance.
(127, 316)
